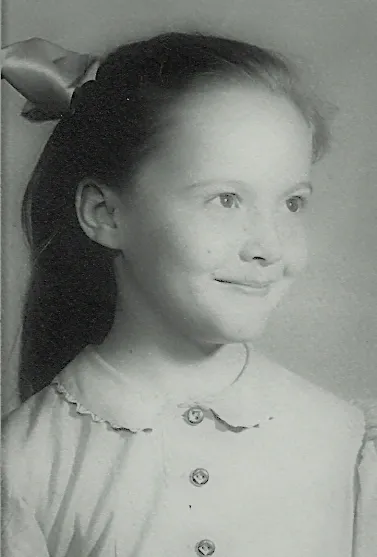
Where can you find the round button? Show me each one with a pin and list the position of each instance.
(205, 547)
(194, 415)
(199, 476)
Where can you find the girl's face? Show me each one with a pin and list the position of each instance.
(213, 234)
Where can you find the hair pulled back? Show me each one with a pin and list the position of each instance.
(114, 122)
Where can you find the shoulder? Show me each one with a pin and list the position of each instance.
(39, 436)
(28, 446)
(40, 421)
(23, 423)
(26, 431)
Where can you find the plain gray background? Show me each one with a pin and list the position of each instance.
(326, 329)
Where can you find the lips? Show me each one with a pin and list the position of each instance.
(247, 288)
(247, 284)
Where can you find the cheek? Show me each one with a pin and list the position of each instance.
(180, 249)
(295, 252)
(192, 245)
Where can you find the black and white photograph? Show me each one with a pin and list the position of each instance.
(189, 278)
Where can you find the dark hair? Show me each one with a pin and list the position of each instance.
(71, 296)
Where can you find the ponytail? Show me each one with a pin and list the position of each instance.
(71, 294)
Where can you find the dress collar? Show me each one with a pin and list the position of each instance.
(92, 385)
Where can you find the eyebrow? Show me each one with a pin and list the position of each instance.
(300, 185)
(292, 189)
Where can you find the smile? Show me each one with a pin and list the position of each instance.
(255, 288)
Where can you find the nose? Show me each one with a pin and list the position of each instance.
(262, 243)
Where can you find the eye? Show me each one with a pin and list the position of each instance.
(295, 203)
(228, 200)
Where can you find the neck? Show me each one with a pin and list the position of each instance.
(154, 353)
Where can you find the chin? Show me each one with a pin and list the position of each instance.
(235, 320)
(247, 334)
(233, 331)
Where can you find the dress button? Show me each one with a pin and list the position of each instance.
(199, 476)
(205, 547)
(194, 415)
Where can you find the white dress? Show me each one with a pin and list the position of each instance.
(271, 467)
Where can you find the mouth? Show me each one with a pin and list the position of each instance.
(259, 288)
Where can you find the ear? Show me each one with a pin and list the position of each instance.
(98, 210)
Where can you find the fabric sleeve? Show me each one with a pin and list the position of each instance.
(366, 504)
(21, 534)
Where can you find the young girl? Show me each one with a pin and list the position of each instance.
(165, 224)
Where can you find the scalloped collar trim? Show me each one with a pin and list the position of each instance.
(80, 409)
(254, 399)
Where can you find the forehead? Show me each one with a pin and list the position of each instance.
(235, 132)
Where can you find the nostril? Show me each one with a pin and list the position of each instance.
(261, 260)
(262, 253)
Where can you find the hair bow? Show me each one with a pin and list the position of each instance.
(46, 75)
